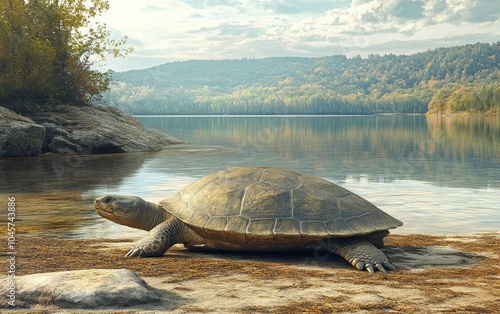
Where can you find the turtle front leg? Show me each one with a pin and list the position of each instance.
(158, 240)
(361, 254)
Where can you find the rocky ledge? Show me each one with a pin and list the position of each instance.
(19, 136)
(71, 129)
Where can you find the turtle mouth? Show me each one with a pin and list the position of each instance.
(102, 205)
(105, 214)
(107, 207)
(104, 211)
(109, 213)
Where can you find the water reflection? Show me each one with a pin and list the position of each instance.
(51, 172)
(465, 151)
(454, 152)
(438, 175)
(50, 189)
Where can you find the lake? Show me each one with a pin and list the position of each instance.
(439, 175)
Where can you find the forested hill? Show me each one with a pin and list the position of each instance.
(436, 79)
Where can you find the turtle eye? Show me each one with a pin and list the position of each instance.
(106, 200)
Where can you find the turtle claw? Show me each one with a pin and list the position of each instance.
(369, 268)
(389, 265)
(364, 256)
(381, 268)
(143, 248)
(373, 268)
(359, 265)
(134, 252)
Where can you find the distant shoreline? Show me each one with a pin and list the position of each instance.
(271, 115)
(454, 114)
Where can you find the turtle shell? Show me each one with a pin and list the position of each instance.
(269, 208)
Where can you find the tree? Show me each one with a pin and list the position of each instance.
(325, 85)
(48, 49)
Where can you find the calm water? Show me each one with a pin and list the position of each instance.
(437, 175)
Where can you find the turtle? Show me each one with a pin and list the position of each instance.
(258, 209)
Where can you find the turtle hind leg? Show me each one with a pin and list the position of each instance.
(158, 240)
(360, 253)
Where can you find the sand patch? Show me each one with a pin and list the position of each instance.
(436, 274)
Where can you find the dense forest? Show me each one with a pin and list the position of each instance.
(444, 80)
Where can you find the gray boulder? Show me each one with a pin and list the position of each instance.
(85, 289)
(97, 129)
(19, 136)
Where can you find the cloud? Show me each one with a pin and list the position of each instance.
(211, 3)
(134, 42)
(482, 11)
(175, 30)
(398, 16)
(302, 6)
(409, 10)
(235, 29)
(153, 8)
(460, 11)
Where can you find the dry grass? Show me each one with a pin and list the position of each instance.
(436, 285)
(50, 255)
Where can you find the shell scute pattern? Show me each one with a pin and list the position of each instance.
(265, 200)
(354, 206)
(219, 198)
(339, 226)
(179, 206)
(195, 187)
(310, 204)
(240, 176)
(213, 227)
(233, 229)
(324, 187)
(260, 229)
(199, 219)
(286, 227)
(288, 181)
(274, 207)
(314, 228)
(287, 230)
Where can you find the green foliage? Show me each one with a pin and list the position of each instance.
(47, 49)
(328, 85)
(473, 98)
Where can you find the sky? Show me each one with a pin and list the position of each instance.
(163, 31)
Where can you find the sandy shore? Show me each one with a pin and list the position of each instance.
(437, 274)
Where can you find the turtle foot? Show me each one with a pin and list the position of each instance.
(371, 267)
(138, 251)
(157, 241)
(147, 247)
(134, 252)
(363, 255)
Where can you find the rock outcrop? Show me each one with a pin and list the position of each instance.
(77, 129)
(97, 129)
(85, 289)
(19, 136)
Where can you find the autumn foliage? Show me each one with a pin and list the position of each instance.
(48, 49)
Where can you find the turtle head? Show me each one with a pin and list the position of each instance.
(130, 211)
